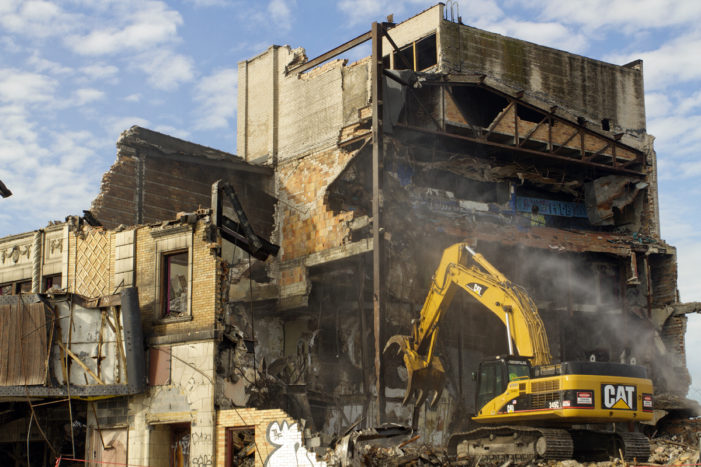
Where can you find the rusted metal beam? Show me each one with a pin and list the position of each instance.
(496, 121)
(547, 155)
(567, 141)
(378, 250)
(331, 53)
(399, 52)
(599, 152)
(476, 81)
(532, 132)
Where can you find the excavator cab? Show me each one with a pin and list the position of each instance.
(495, 374)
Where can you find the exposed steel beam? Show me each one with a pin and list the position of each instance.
(546, 155)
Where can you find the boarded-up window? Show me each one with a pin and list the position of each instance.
(23, 344)
(159, 366)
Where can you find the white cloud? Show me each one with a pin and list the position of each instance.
(657, 105)
(10, 45)
(43, 65)
(150, 24)
(36, 18)
(281, 13)
(630, 15)
(173, 131)
(215, 96)
(208, 3)
(166, 70)
(86, 95)
(551, 34)
(366, 11)
(36, 163)
(116, 125)
(18, 86)
(97, 71)
(136, 97)
(672, 63)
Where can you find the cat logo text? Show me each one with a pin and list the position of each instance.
(618, 396)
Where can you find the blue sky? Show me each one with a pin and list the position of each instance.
(75, 73)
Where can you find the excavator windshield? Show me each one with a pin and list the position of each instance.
(494, 375)
(518, 370)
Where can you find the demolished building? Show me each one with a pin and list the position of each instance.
(361, 174)
(537, 157)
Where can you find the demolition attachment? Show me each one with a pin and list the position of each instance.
(425, 377)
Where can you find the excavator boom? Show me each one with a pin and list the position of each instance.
(461, 268)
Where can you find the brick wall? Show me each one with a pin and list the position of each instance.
(157, 176)
(260, 421)
(308, 225)
(205, 295)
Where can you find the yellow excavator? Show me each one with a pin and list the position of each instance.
(530, 407)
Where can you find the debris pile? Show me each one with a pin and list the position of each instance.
(407, 455)
(678, 444)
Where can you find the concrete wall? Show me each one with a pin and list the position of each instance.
(587, 87)
(281, 116)
(189, 399)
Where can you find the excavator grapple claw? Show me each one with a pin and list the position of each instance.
(423, 380)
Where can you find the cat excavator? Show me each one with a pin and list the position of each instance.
(527, 407)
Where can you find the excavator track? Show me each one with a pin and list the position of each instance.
(636, 446)
(602, 445)
(519, 443)
(524, 444)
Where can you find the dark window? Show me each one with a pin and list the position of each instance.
(606, 124)
(240, 446)
(417, 56)
(174, 291)
(426, 55)
(52, 281)
(491, 382)
(23, 287)
(518, 371)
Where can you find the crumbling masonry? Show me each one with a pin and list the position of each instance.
(222, 309)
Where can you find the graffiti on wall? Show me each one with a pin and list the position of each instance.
(289, 449)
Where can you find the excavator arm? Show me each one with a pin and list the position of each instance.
(463, 269)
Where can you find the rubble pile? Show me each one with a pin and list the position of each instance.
(677, 443)
(409, 455)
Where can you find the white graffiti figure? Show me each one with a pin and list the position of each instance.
(289, 449)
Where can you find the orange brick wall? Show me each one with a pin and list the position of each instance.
(308, 226)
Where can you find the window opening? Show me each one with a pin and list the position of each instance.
(52, 281)
(420, 55)
(240, 447)
(23, 287)
(175, 267)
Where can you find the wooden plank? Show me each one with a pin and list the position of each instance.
(5, 316)
(120, 346)
(13, 346)
(34, 343)
(80, 362)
